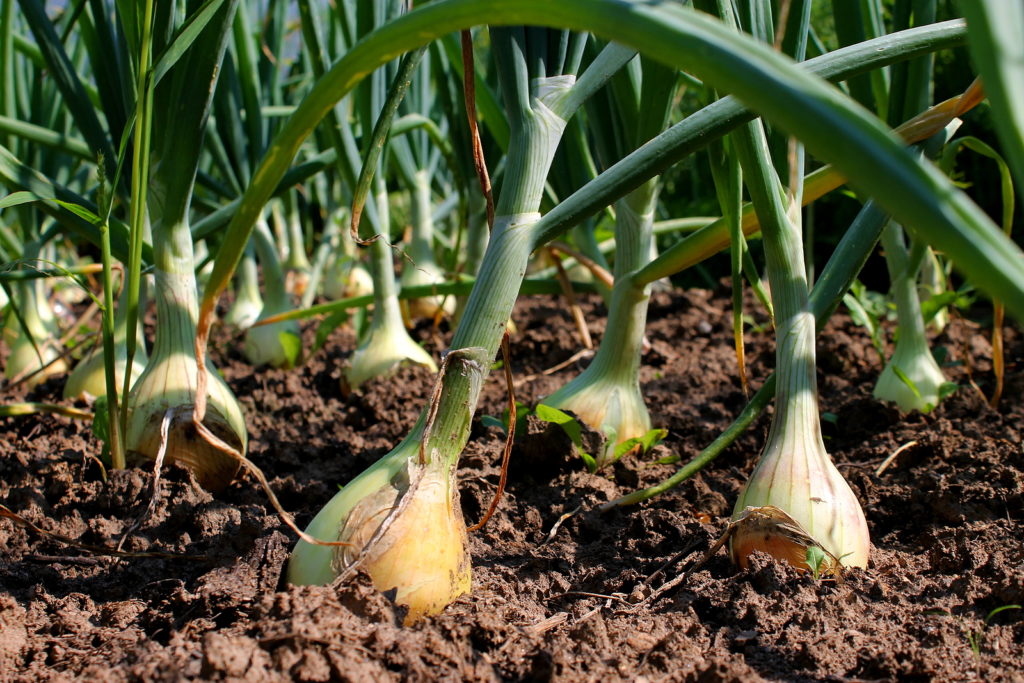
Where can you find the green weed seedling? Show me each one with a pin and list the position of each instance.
(976, 638)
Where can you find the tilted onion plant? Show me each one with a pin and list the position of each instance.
(539, 98)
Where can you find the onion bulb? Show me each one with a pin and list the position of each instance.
(796, 474)
(169, 383)
(405, 529)
(35, 352)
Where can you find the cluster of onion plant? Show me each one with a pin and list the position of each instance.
(30, 325)
(441, 431)
(144, 57)
(174, 193)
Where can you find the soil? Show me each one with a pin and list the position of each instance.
(946, 518)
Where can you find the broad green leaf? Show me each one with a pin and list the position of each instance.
(570, 426)
(79, 210)
(645, 442)
(292, 345)
(19, 198)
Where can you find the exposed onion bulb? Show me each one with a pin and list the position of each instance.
(410, 537)
(406, 530)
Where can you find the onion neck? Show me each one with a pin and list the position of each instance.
(619, 354)
(275, 296)
(177, 308)
(248, 302)
(386, 310)
(421, 249)
(904, 289)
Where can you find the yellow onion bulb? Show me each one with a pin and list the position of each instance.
(169, 382)
(797, 476)
(411, 539)
(402, 524)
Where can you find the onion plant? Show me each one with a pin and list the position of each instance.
(237, 147)
(32, 335)
(248, 302)
(417, 161)
(911, 378)
(169, 129)
(344, 273)
(385, 344)
(278, 344)
(34, 123)
(88, 379)
(413, 488)
(607, 395)
(296, 263)
(794, 473)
